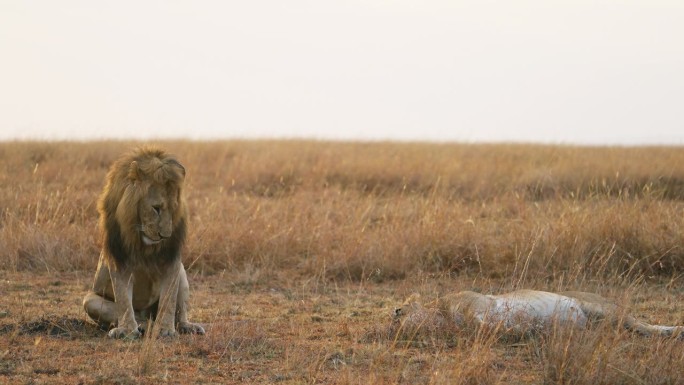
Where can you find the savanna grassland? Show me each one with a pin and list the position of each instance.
(298, 251)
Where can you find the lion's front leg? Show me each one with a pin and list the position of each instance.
(122, 282)
(185, 326)
(168, 298)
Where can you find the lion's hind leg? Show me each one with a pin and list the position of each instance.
(103, 312)
(100, 310)
(146, 317)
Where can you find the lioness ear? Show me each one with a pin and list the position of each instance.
(133, 172)
(414, 297)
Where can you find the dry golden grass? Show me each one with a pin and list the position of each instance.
(298, 251)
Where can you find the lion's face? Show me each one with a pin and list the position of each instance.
(142, 213)
(155, 211)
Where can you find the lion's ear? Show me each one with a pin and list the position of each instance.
(133, 171)
(177, 164)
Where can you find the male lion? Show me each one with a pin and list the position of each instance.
(143, 223)
(524, 311)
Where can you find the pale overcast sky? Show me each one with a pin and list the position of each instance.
(575, 71)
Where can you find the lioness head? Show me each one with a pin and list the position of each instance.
(412, 315)
(410, 306)
(142, 213)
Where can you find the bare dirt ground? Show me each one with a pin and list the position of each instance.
(271, 329)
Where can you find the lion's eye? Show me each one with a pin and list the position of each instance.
(157, 209)
(397, 312)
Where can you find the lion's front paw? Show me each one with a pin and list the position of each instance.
(124, 333)
(190, 328)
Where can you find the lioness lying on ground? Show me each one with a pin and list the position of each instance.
(524, 311)
(143, 222)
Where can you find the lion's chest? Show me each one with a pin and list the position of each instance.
(146, 290)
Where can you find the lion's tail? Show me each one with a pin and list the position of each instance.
(646, 329)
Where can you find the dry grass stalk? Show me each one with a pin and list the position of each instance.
(298, 251)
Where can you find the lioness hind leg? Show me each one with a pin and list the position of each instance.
(185, 326)
(647, 330)
(100, 310)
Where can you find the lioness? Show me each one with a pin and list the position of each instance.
(523, 311)
(143, 224)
